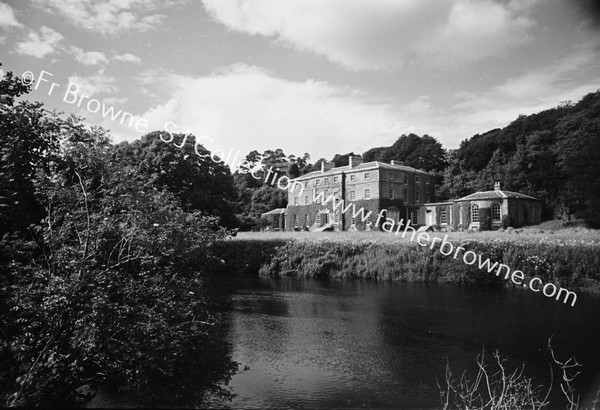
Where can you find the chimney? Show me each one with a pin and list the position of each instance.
(354, 160)
(326, 166)
(497, 186)
(395, 162)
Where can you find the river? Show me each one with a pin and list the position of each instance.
(350, 344)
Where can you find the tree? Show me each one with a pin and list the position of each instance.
(109, 284)
(186, 170)
(28, 137)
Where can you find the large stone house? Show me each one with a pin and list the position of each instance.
(373, 186)
(396, 191)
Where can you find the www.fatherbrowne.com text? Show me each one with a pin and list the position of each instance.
(447, 248)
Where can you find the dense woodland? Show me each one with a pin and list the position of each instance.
(105, 249)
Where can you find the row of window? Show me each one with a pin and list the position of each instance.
(495, 213)
(495, 210)
(367, 195)
(367, 176)
(323, 219)
(414, 217)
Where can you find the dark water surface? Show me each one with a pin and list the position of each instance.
(352, 344)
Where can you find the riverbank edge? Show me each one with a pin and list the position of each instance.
(572, 266)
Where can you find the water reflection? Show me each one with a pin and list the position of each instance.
(349, 344)
(352, 344)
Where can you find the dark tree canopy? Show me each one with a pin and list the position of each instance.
(424, 153)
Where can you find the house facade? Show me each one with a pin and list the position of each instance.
(275, 219)
(485, 210)
(373, 186)
(396, 191)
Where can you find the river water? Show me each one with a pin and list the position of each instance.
(350, 344)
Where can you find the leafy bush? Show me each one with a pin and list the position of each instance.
(107, 284)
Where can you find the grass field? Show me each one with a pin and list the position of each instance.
(548, 232)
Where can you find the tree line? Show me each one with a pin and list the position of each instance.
(553, 155)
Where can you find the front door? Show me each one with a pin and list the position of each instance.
(324, 219)
(429, 218)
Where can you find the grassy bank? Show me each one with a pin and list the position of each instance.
(570, 258)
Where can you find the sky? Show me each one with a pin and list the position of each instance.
(316, 76)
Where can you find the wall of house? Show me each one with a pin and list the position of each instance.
(300, 199)
(524, 212)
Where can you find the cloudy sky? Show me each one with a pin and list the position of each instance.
(317, 76)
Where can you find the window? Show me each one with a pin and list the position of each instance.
(367, 194)
(405, 193)
(427, 180)
(295, 220)
(367, 175)
(336, 194)
(306, 221)
(336, 216)
(427, 196)
(392, 194)
(353, 222)
(474, 213)
(414, 217)
(326, 180)
(317, 199)
(406, 179)
(496, 212)
(335, 180)
(352, 195)
(352, 178)
(317, 182)
(306, 184)
(417, 196)
(417, 179)
(444, 216)
(391, 176)
(306, 200)
(295, 200)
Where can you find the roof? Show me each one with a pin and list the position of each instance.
(496, 194)
(276, 211)
(361, 167)
(438, 203)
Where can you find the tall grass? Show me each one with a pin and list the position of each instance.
(571, 264)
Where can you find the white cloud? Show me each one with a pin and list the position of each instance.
(95, 84)
(569, 78)
(385, 34)
(244, 108)
(88, 57)
(127, 57)
(40, 45)
(7, 17)
(115, 101)
(109, 16)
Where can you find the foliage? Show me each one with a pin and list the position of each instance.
(418, 152)
(185, 169)
(572, 264)
(551, 155)
(104, 279)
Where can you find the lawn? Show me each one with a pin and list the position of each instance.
(548, 232)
